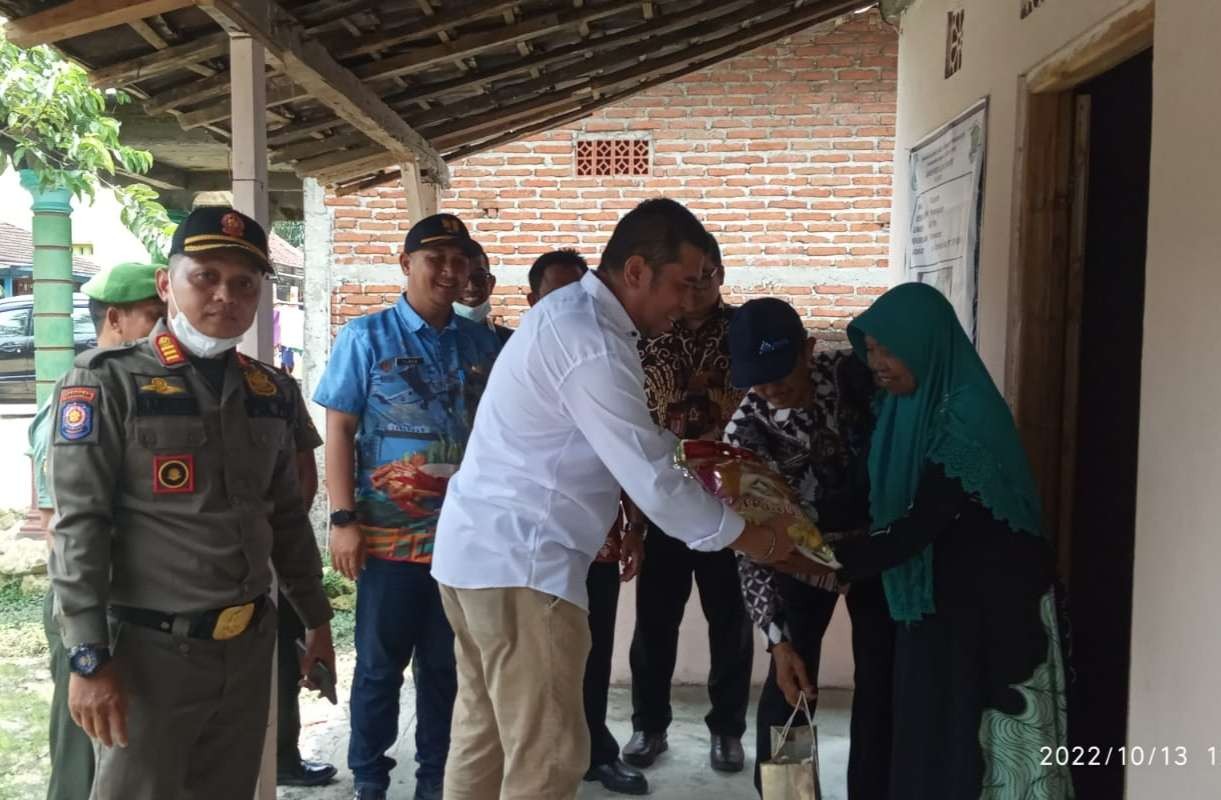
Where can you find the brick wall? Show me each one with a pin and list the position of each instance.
(785, 153)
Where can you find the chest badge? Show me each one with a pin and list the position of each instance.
(260, 383)
(169, 351)
(162, 386)
(174, 474)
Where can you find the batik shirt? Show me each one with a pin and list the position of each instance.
(687, 383)
(415, 390)
(821, 450)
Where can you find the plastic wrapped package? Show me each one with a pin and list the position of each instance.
(742, 481)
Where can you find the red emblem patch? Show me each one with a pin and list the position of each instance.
(233, 225)
(168, 350)
(174, 474)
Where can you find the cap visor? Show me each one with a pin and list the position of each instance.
(746, 373)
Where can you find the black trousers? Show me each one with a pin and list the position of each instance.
(288, 673)
(662, 591)
(808, 611)
(603, 586)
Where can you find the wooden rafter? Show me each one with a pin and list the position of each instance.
(529, 127)
(78, 17)
(625, 38)
(582, 72)
(316, 147)
(280, 90)
(160, 62)
(519, 96)
(476, 43)
(436, 23)
(466, 128)
(312, 67)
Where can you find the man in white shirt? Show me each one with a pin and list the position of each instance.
(562, 425)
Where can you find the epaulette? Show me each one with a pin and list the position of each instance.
(262, 378)
(91, 358)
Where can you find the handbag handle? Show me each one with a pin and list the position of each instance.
(802, 705)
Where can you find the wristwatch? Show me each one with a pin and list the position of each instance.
(343, 516)
(86, 659)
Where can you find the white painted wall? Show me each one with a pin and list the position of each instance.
(692, 667)
(1176, 648)
(97, 224)
(998, 48)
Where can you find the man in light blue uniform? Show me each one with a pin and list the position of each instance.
(400, 391)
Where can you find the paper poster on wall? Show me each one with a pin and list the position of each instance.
(946, 195)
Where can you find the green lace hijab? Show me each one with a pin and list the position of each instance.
(956, 418)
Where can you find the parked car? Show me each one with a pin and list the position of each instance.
(17, 343)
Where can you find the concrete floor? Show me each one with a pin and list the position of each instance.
(680, 774)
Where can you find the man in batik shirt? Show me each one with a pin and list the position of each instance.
(689, 393)
(809, 415)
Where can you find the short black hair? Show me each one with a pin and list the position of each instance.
(565, 257)
(97, 310)
(714, 252)
(656, 229)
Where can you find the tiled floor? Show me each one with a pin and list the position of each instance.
(679, 774)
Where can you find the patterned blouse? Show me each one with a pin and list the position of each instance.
(821, 450)
(687, 383)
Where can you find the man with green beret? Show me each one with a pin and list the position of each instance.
(124, 305)
(173, 468)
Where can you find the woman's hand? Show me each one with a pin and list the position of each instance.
(791, 674)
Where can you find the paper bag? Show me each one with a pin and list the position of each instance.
(792, 771)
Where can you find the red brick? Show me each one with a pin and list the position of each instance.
(786, 153)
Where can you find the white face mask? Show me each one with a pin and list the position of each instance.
(194, 340)
(477, 313)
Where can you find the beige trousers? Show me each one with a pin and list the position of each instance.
(519, 722)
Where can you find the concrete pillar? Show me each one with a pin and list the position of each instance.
(54, 347)
(318, 287)
(248, 95)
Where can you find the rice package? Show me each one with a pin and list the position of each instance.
(742, 481)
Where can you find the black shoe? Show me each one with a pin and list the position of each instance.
(370, 793)
(644, 748)
(727, 755)
(305, 773)
(619, 778)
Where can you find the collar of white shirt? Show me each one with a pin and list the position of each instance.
(609, 304)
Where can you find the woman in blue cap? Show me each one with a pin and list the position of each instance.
(979, 676)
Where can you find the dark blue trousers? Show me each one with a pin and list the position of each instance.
(399, 621)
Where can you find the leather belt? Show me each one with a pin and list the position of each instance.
(219, 624)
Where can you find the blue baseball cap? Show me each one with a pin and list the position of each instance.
(766, 338)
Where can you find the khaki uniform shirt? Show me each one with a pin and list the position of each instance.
(174, 499)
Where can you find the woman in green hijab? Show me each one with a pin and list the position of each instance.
(979, 680)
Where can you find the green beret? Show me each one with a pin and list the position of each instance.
(123, 283)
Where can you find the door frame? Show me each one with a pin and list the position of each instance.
(1042, 339)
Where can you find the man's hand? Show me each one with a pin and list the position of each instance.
(791, 674)
(347, 551)
(98, 705)
(765, 544)
(318, 647)
(631, 554)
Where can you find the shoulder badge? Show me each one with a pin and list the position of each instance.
(168, 350)
(76, 406)
(258, 376)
